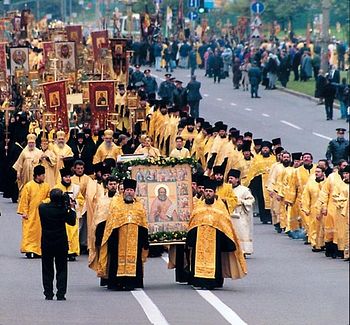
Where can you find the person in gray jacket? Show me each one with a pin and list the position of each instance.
(254, 75)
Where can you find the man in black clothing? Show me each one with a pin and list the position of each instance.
(179, 96)
(151, 86)
(54, 242)
(329, 92)
(194, 96)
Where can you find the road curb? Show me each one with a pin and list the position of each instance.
(301, 95)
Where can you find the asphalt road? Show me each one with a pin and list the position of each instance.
(286, 284)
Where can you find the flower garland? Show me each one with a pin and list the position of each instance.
(164, 236)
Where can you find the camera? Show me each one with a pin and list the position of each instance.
(66, 200)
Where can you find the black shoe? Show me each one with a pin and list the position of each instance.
(30, 255)
(61, 298)
(48, 297)
(316, 250)
(257, 97)
(71, 258)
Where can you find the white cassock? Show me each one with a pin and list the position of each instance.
(242, 218)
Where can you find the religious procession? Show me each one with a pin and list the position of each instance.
(108, 158)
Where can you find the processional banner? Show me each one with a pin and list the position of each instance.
(48, 51)
(74, 33)
(66, 54)
(101, 96)
(166, 193)
(56, 103)
(19, 60)
(99, 42)
(118, 48)
(3, 65)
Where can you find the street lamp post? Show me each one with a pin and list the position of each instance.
(326, 5)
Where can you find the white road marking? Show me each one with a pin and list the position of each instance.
(233, 104)
(205, 95)
(223, 309)
(213, 300)
(219, 99)
(266, 115)
(291, 124)
(248, 109)
(321, 136)
(151, 310)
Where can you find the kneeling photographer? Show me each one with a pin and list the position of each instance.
(54, 241)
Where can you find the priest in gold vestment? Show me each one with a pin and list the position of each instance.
(48, 159)
(180, 152)
(61, 150)
(124, 242)
(98, 222)
(26, 162)
(33, 193)
(107, 149)
(215, 248)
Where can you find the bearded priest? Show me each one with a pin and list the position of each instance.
(124, 245)
(214, 245)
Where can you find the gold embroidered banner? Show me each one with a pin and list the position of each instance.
(99, 41)
(3, 65)
(101, 95)
(56, 103)
(74, 33)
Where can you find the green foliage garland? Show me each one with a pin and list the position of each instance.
(164, 236)
(123, 170)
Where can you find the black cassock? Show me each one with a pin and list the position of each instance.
(115, 282)
(9, 176)
(223, 244)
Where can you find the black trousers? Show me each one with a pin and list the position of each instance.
(329, 108)
(49, 259)
(257, 189)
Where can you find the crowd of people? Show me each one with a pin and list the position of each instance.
(276, 61)
(235, 173)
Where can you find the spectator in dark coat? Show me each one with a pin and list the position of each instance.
(296, 63)
(194, 96)
(320, 83)
(192, 61)
(237, 73)
(329, 92)
(217, 65)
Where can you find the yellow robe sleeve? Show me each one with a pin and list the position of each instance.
(291, 194)
(323, 198)
(23, 206)
(306, 200)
